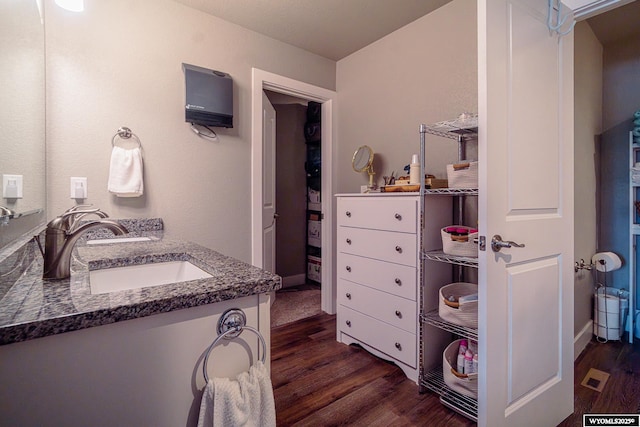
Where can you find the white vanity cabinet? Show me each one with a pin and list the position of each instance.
(378, 260)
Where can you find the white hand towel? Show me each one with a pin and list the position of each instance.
(245, 401)
(125, 172)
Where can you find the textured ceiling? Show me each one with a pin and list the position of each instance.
(330, 28)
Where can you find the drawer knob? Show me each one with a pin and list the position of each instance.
(398, 282)
(349, 268)
(347, 213)
(399, 314)
(398, 249)
(348, 295)
(348, 241)
(398, 346)
(398, 217)
(348, 322)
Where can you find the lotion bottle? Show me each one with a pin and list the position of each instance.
(468, 362)
(460, 363)
(414, 170)
(462, 349)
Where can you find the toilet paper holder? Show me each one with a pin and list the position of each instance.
(583, 266)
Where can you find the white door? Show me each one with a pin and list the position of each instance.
(268, 185)
(525, 106)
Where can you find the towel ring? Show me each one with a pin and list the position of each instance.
(230, 326)
(125, 133)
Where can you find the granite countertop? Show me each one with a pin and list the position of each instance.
(33, 307)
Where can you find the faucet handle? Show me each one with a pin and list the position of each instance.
(67, 220)
(76, 207)
(72, 214)
(71, 219)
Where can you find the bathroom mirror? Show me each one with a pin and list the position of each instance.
(22, 117)
(363, 162)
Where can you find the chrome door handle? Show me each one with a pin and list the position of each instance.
(497, 243)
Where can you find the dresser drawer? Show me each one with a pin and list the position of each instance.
(400, 248)
(397, 311)
(395, 342)
(392, 278)
(391, 214)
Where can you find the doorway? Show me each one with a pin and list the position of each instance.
(261, 81)
(606, 93)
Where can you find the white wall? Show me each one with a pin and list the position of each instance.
(588, 124)
(118, 63)
(423, 73)
(622, 92)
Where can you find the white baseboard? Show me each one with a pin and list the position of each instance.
(298, 279)
(583, 338)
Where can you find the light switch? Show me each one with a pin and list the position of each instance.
(12, 186)
(78, 187)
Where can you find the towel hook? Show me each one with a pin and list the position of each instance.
(230, 326)
(125, 133)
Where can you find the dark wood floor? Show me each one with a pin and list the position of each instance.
(621, 393)
(320, 382)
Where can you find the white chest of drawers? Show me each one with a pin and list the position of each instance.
(378, 265)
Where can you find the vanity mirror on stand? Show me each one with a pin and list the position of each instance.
(363, 162)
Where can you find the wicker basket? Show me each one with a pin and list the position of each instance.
(462, 383)
(459, 247)
(463, 175)
(463, 314)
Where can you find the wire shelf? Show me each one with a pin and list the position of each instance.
(450, 259)
(465, 126)
(432, 318)
(466, 406)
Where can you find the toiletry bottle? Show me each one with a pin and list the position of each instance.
(473, 346)
(468, 362)
(462, 349)
(460, 363)
(414, 170)
(475, 362)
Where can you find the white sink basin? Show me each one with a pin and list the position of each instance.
(118, 240)
(143, 275)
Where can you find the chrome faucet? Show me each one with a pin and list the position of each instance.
(62, 234)
(5, 215)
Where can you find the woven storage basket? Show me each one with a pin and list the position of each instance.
(463, 384)
(463, 177)
(458, 248)
(465, 314)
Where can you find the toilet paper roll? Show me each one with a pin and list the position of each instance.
(606, 261)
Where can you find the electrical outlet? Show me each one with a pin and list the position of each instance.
(78, 187)
(12, 186)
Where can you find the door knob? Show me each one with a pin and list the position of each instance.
(497, 243)
(273, 221)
